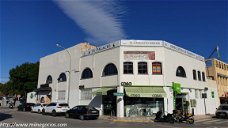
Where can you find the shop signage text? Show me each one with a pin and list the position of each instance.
(139, 55)
(126, 83)
(153, 95)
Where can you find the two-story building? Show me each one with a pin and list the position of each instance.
(218, 70)
(128, 78)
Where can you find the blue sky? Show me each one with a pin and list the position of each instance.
(29, 30)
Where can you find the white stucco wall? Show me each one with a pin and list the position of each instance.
(57, 63)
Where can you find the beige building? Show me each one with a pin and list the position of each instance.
(218, 70)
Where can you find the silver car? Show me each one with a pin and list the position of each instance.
(222, 111)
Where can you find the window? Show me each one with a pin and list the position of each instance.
(86, 94)
(110, 69)
(217, 64)
(196, 94)
(49, 80)
(87, 73)
(180, 72)
(62, 77)
(142, 68)
(199, 76)
(156, 68)
(61, 95)
(203, 76)
(128, 68)
(194, 74)
(52, 104)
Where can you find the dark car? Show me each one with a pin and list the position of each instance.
(25, 107)
(222, 111)
(82, 112)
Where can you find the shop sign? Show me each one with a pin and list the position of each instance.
(139, 55)
(126, 83)
(176, 87)
(118, 94)
(146, 95)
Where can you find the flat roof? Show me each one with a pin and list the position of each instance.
(143, 43)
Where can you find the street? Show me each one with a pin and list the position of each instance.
(14, 118)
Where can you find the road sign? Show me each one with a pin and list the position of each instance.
(118, 94)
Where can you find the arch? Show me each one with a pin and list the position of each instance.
(62, 77)
(49, 79)
(180, 72)
(110, 69)
(87, 73)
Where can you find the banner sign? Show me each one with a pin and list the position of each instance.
(139, 55)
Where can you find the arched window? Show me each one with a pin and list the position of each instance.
(87, 73)
(199, 76)
(62, 77)
(49, 80)
(156, 68)
(110, 69)
(128, 68)
(142, 68)
(180, 72)
(203, 76)
(194, 74)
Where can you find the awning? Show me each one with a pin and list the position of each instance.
(156, 92)
(102, 91)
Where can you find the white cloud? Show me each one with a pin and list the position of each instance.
(99, 19)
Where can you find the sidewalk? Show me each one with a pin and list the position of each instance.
(146, 119)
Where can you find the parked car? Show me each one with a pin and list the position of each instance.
(222, 111)
(38, 107)
(25, 107)
(83, 112)
(55, 108)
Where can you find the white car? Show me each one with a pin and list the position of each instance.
(55, 108)
(38, 107)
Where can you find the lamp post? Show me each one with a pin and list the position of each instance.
(68, 83)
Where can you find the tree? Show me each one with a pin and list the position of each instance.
(24, 78)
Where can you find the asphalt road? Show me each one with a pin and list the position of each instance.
(14, 119)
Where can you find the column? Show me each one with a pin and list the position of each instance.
(120, 102)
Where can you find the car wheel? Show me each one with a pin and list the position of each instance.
(81, 117)
(67, 115)
(43, 112)
(191, 121)
(53, 113)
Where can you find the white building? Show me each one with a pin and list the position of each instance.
(144, 71)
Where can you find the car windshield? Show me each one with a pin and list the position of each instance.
(63, 105)
(223, 108)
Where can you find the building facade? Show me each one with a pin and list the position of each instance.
(218, 70)
(128, 78)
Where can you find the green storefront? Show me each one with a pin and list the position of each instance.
(138, 100)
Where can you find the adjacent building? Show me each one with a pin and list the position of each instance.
(218, 70)
(128, 78)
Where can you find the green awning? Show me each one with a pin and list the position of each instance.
(156, 92)
(102, 91)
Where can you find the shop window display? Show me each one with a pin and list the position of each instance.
(143, 106)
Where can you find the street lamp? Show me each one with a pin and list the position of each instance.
(68, 84)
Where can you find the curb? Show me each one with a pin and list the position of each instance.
(138, 121)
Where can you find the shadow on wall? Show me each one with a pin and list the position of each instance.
(4, 116)
(96, 102)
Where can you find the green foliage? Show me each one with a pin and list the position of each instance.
(23, 79)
